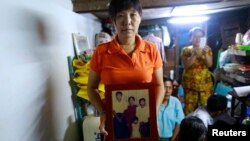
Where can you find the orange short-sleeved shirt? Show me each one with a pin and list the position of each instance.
(114, 66)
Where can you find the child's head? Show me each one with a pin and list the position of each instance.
(142, 102)
(118, 95)
(216, 105)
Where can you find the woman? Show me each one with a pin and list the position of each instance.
(130, 113)
(196, 78)
(126, 59)
(192, 129)
(170, 114)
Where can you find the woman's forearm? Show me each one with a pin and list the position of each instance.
(95, 100)
(159, 88)
(159, 97)
(188, 61)
(209, 60)
(176, 132)
(208, 56)
(94, 97)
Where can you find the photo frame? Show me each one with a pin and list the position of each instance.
(81, 43)
(131, 112)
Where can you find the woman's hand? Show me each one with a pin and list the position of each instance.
(208, 55)
(102, 124)
(205, 50)
(196, 52)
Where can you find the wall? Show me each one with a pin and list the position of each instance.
(35, 96)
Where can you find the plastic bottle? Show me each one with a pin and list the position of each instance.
(246, 120)
(171, 74)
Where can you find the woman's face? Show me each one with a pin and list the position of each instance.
(195, 39)
(168, 88)
(127, 23)
(131, 101)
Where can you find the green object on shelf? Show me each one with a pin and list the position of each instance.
(245, 47)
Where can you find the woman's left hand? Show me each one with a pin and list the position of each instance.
(205, 50)
(102, 124)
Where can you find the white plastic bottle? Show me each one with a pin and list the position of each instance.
(91, 130)
(171, 73)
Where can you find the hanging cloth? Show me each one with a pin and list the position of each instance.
(158, 41)
(166, 37)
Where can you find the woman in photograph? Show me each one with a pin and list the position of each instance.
(130, 113)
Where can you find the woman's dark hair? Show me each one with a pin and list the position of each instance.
(194, 29)
(167, 79)
(117, 6)
(192, 129)
(216, 103)
(131, 97)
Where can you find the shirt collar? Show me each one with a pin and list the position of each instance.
(116, 47)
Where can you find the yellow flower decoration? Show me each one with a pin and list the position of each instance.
(81, 78)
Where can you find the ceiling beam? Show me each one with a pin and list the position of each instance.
(83, 6)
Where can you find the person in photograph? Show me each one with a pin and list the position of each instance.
(135, 128)
(170, 114)
(119, 105)
(142, 112)
(127, 59)
(196, 78)
(130, 113)
(192, 129)
(120, 124)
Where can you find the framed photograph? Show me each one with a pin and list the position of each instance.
(81, 43)
(131, 112)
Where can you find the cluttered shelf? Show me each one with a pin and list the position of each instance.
(239, 52)
(237, 71)
(234, 79)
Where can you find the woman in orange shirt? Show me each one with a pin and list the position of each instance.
(127, 58)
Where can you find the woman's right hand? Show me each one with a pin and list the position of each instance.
(102, 125)
(195, 51)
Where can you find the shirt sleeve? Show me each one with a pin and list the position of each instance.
(94, 62)
(179, 112)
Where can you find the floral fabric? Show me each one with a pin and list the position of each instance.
(196, 79)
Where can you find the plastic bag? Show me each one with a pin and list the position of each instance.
(246, 38)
